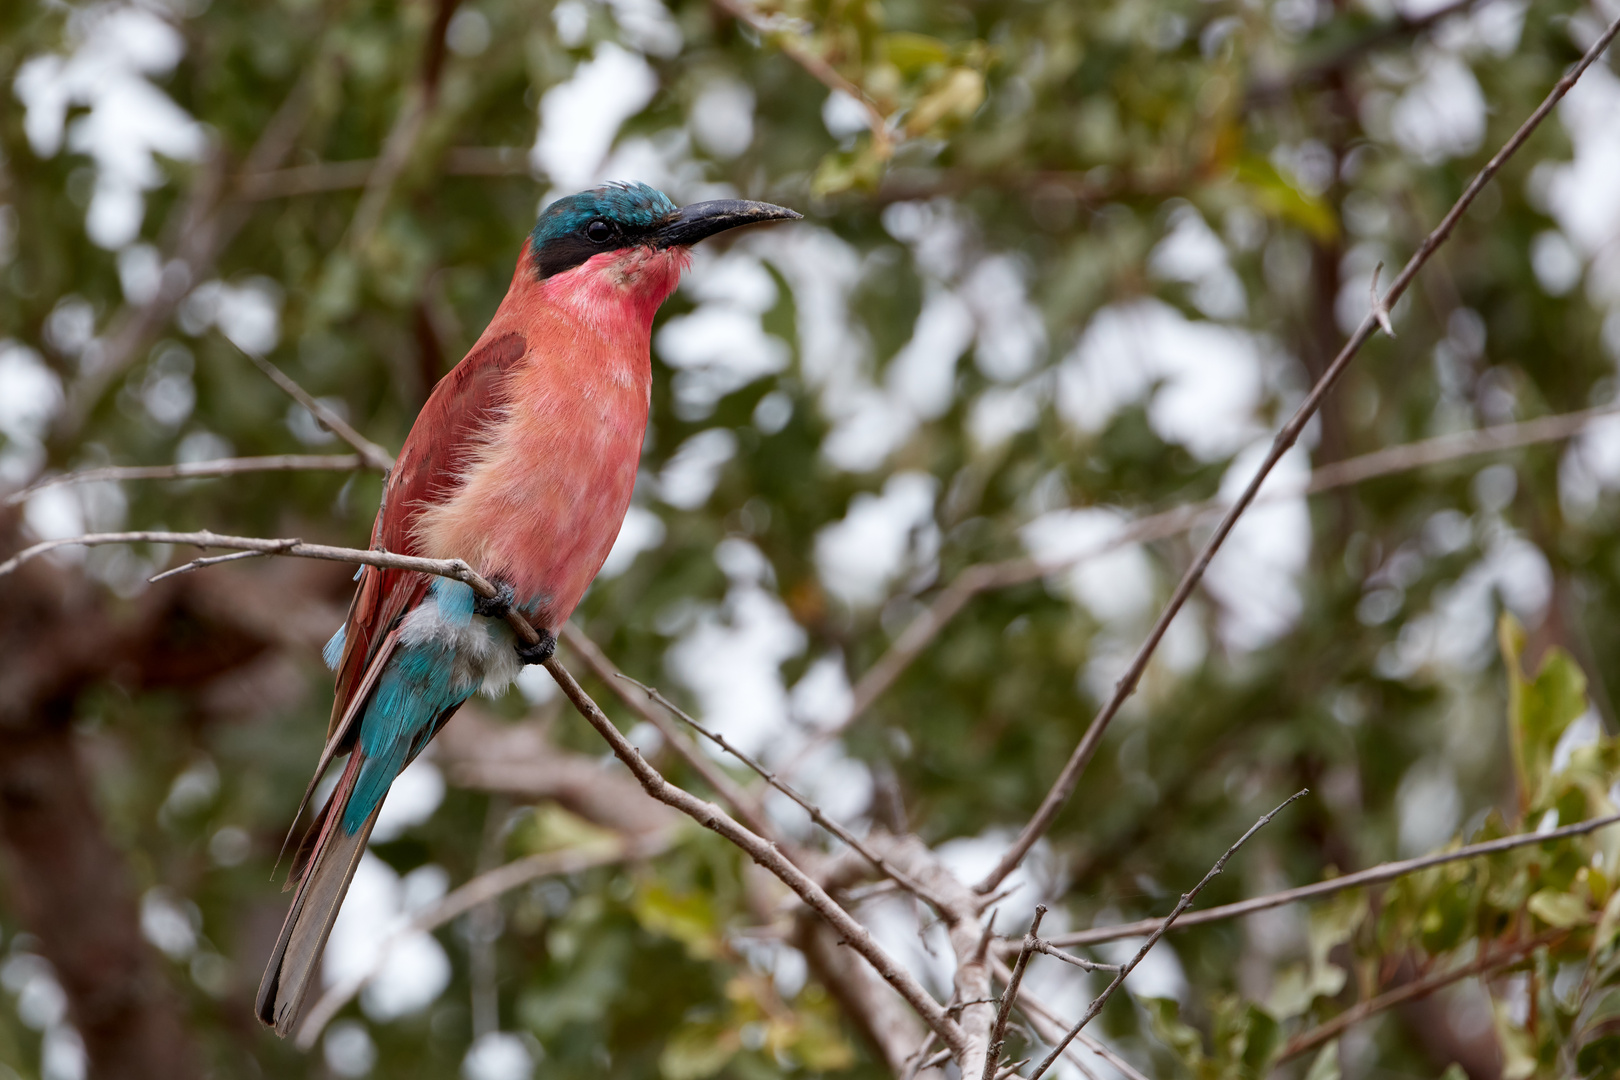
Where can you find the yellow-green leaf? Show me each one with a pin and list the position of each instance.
(1560, 909)
(913, 53)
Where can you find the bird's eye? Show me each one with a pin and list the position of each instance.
(598, 231)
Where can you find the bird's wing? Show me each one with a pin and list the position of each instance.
(450, 427)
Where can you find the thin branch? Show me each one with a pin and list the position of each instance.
(450, 568)
(984, 577)
(1290, 433)
(882, 865)
(1186, 900)
(1375, 875)
(1417, 988)
(818, 68)
(766, 855)
(1080, 962)
(744, 805)
(1046, 1025)
(195, 470)
(375, 456)
(480, 890)
(998, 1031)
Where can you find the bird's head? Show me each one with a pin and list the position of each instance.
(632, 219)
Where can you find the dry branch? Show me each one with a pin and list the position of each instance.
(1290, 433)
(998, 1032)
(985, 577)
(1417, 988)
(1375, 875)
(1186, 900)
(765, 854)
(194, 470)
(817, 815)
(744, 805)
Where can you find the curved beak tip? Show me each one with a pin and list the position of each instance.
(699, 221)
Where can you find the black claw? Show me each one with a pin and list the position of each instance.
(540, 651)
(497, 606)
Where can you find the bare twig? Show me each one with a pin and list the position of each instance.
(765, 854)
(998, 1031)
(375, 456)
(480, 890)
(744, 805)
(1186, 900)
(1046, 1025)
(1376, 875)
(817, 67)
(194, 470)
(882, 865)
(1290, 433)
(1080, 962)
(1485, 963)
(984, 577)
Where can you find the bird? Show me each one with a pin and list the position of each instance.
(522, 463)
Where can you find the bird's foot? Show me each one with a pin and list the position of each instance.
(540, 651)
(498, 606)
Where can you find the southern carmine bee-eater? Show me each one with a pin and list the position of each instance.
(522, 463)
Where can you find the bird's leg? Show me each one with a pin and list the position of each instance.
(497, 606)
(540, 651)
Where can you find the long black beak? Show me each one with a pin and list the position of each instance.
(702, 220)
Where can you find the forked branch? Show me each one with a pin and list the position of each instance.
(1153, 939)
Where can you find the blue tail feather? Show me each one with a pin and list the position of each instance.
(417, 688)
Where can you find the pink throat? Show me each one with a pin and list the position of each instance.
(618, 292)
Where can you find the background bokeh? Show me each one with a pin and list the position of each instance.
(1097, 259)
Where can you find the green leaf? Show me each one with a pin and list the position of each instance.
(1539, 709)
(1560, 909)
(914, 53)
(688, 918)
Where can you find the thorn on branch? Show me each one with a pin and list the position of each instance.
(1380, 309)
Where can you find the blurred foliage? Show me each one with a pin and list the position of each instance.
(1042, 155)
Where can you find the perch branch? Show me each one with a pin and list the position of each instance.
(1186, 900)
(766, 855)
(1290, 433)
